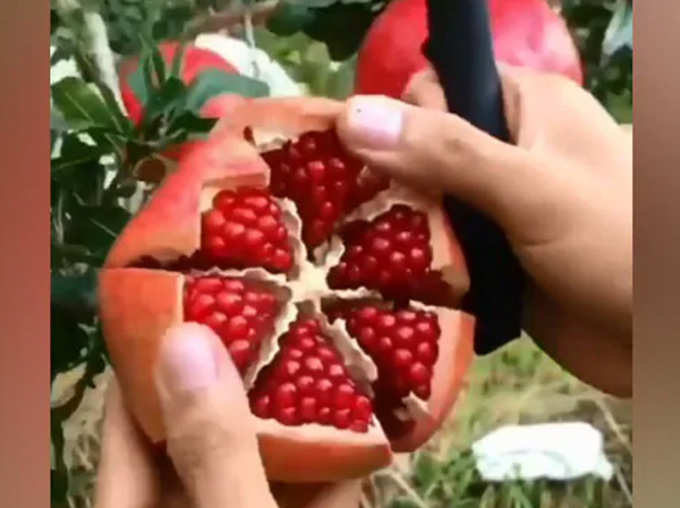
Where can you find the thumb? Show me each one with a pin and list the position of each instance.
(440, 152)
(209, 436)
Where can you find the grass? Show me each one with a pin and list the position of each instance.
(517, 384)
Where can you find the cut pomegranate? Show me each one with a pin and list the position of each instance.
(214, 247)
(391, 254)
(238, 311)
(243, 229)
(323, 181)
(308, 383)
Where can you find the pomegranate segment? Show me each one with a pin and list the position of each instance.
(390, 254)
(402, 343)
(244, 228)
(307, 382)
(241, 313)
(318, 175)
(404, 346)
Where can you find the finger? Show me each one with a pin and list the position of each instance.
(210, 437)
(436, 150)
(126, 475)
(424, 90)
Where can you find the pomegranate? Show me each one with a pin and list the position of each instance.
(526, 33)
(334, 290)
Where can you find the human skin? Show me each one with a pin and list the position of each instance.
(562, 192)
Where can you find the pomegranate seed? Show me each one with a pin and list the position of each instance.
(230, 303)
(362, 408)
(392, 254)
(402, 358)
(297, 380)
(201, 306)
(426, 353)
(285, 395)
(288, 416)
(237, 327)
(261, 406)
(324, 185)
(215, 320)
(244, 229)
(336, 371)
(308, 409)
(419, 373)
(305, 384)
(342, 418)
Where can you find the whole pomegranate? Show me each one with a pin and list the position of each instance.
(526, 33)
(334, 290)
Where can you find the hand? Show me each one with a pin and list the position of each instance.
(562, 193)
(212, 457)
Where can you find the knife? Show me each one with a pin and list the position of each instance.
(460, 49)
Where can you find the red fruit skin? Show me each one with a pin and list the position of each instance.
(526, 33)
(195, 61)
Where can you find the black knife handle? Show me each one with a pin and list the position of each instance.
(460, 49)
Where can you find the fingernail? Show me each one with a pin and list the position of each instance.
(373, 123)
(187, 363)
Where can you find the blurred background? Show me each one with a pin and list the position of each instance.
(103, 169)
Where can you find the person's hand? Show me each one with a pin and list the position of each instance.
(562, 193)
(212, 456)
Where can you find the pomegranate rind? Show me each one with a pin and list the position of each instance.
(319, 453)
(137, 306)
(455, 356)
(169, 226)
(282, 116)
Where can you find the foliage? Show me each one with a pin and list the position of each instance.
(99, 158)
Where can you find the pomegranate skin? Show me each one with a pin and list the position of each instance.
(526, 33)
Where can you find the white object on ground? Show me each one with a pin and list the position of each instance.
(240, 55)
(557, 451)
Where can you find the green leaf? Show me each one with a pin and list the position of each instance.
(191, 123)
(122, 121)
(341, 82)
(67, 341)
(171, 95)
(212, 83)
(289, 18)
(158, 63)
(619, 33)
(342, 27)
(74, 295)
(75, 153)
(177, 60)
(313, 3)
(81, 106)
(426, 470)
(97, 227)
(58, 487)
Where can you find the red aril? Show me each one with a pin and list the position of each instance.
(526, 33)
(340, 370)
